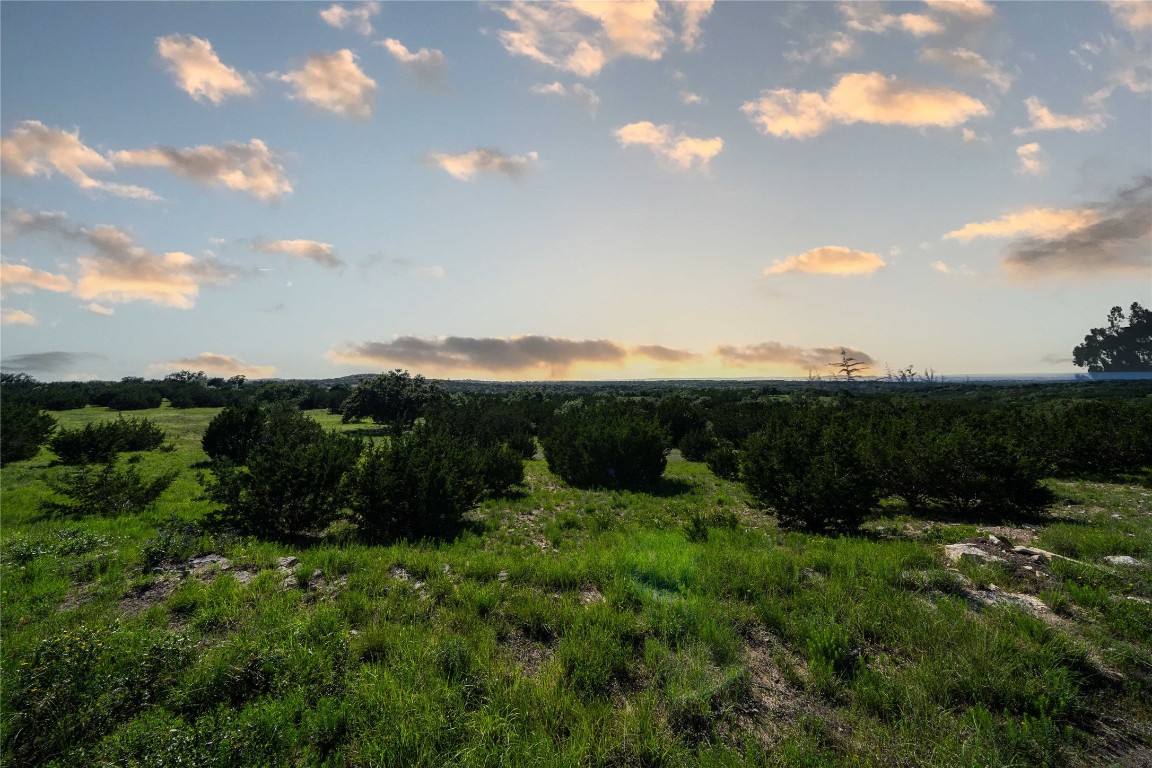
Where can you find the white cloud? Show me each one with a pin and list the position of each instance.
(579, 94)
(358, 18)
(1032, 159)
(114, 269)
(968, 63)
(19, 278)
(333, 82)
(199, 71)
(773, 352)
(1040, 118)
(860, 97)
(825, 50)
(970, 10)
(249, 168)
(581, 36)
(1046, 223)
(426, 65)
(870, 17)
(323, 254)
(681, 150)
(100, 309)
(944, 269)
(688, 98)
(33, 149)
(217, 364)
(466, 165)
(828, 260)
(1134, 15)
(17, 317)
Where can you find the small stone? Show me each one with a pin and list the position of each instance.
(1121, 560)
(957, 551)
(287, 563)
(317, 574)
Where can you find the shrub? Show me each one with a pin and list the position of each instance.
(420, 484)
(233, 433)
(106, 490)
(135, 398)
(987, 472)
(101, 441)
(696, 444)
(293, 481)
(724, 460)
(809, 468)
(23, 429)
(395, 397)
(609, 444)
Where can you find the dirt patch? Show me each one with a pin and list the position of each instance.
(205, 568)
(147, 595)
(518, 648)
(590, 596)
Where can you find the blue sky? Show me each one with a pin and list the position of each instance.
(570, 190)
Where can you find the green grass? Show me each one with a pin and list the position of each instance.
(567, 627)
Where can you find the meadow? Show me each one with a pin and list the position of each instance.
(677, 626)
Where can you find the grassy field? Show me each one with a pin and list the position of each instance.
(569, 627)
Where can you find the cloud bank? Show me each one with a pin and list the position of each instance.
(250, 168)
(775, 353)
(219, 365)
(33, 149)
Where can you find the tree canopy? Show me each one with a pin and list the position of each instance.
(395, 397)
(1118, 348)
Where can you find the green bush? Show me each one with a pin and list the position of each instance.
(809, 468)
(696, 444)
(608, 444)
(724, 460)
(135, 398)
(101, 441)
(421, 483)
(233, 433)
(292, 483)
(105, 490)
(23, 429)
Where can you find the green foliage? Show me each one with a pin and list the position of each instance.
(62, 542)
(233, 433)
(105, 490)
(292, 483)
(810, 469)
(101, 441)
(696, 529)
(23, 429)
(1118, 348)
(135, 397)
(395, 397)
(607, 444)
(724, 460)
(421, 483)
(696, 444)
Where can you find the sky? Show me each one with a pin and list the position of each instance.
(569, 190)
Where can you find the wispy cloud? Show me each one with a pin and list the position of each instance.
(1134, 15)
(1109, 237)
(1031, 159)
(409, 267)
(323, 254)
(1040, 118)
(967, 63)
(18, 278)
(870, 17)
(33, 149)
(333, 82)
(43, 362)
(828, 260)
(944, 269)
(860, 97)
(115, 269)
(483, 161)
(198, 71)
(217, 364)
(683, 151)
(581, 37)
(969, 10)
(775, 353)
(690, 98)
(427, 65)
(357, 18)
(250, 168)
(100, 309)
(9, 316)
(579, 94)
